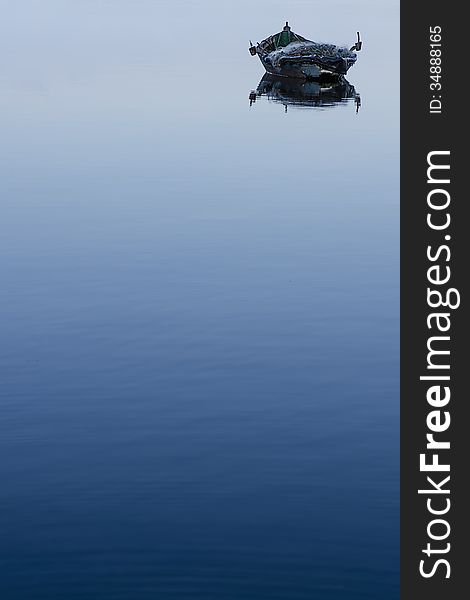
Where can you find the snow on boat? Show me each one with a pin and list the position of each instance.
(290, 55)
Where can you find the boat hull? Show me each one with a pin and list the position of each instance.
(304, 69)
(297, 71)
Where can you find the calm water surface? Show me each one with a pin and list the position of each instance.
(199, 359)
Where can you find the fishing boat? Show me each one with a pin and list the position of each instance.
(288, 54)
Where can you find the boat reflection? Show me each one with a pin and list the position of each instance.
(324, 92)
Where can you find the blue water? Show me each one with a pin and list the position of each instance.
(199, 358)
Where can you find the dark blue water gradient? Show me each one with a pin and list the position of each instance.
(199, 357)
